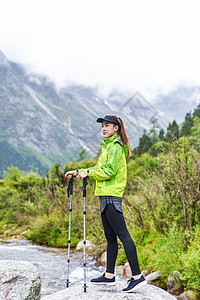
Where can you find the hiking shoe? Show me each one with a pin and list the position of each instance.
(134, 284)
(103, 280)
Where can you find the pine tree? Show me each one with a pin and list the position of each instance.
(161, 134)
(145, 143)
(187, 125)
(197, 112)
(172, 132)
(153, 133)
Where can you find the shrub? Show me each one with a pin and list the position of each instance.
(191, 262)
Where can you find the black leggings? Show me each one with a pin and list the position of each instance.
(114, 225)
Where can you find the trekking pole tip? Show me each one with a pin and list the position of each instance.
(85, 286)
(67, 283)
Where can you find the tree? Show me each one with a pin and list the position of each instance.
(153, 133)
(187, 125)
(181, 179)
(161, 134)
(195, 130)
(197, 112)
(82, 155)
(145, 143)
(56, 172)
(172, 132)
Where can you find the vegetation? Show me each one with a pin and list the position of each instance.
(161, 203)
(23, 157)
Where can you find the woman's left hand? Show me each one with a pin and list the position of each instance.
(82, 175)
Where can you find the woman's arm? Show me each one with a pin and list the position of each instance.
(107, 171)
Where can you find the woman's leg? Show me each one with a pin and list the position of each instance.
(117, 223)
(112, 244)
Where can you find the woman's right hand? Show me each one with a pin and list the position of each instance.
(69, 174)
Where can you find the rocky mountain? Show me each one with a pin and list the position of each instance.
(41, 124)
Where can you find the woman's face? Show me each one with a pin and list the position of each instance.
(109, 129)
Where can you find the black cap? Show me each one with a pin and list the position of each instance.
(110, 119)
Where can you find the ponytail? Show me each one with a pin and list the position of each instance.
(122, 133)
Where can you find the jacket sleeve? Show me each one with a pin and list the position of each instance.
(109, 170)
(88, 169)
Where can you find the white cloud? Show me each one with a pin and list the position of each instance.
(134, 45)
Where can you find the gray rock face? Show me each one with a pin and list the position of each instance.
(97, 292)
(188, 295)
(103, 259)
(153, 277)
(89, 246)
(3, 59)
(37, 117)
(19, 280)
(49, 121)
(127, 270)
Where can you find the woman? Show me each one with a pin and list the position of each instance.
(110, 174)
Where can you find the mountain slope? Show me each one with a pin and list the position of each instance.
(34, 115)
(40, 125)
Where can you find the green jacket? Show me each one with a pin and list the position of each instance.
(110, 172)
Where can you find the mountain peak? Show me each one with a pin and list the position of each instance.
(3, 59)
(139, 111)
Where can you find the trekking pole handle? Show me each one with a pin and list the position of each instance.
(70, 186)
(84, 186)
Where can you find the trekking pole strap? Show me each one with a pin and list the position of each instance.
(84, 186)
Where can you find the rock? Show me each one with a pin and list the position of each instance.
(19, 280)
(99, 292)
(127, 271)
(119, 270)
(153, 277)
(103, 259)
(21, 235)
(188, 295)
(5, 233)
(89, 246)
(145, 272)
(174, 284)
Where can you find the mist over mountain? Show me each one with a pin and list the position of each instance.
(175, 105)
(41, 124)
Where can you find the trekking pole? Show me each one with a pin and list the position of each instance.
(84, 229)
(70, 192)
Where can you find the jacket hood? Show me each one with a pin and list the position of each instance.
(115, 139)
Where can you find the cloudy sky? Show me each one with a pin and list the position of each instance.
(145, 45)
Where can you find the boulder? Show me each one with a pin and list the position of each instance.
(188, 295)
(145, 272)
(119, 270)
(19, 280)
(152, 277)
(102, 260)
(89, 246)
(174, 284)
(100, 292)
(127, 271)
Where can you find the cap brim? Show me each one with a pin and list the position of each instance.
(100, 120)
